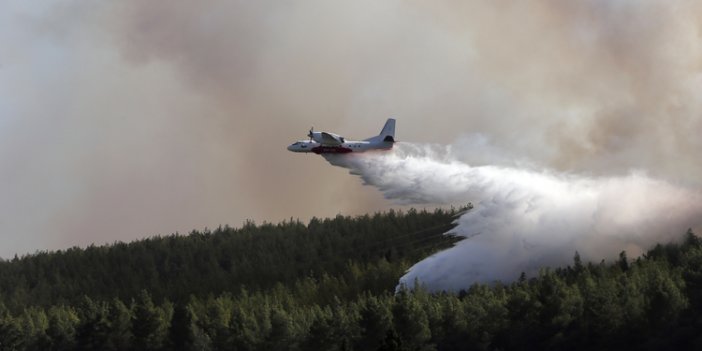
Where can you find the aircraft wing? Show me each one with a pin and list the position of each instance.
(331, 140)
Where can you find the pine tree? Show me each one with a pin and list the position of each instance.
(93, 330)
(11, 334)
(181, 335)
(410, 322)
(147, 324)
(62, 328)
(120, 324)
(321, 335)
(375, 322)
(280, 336)
(244, 332)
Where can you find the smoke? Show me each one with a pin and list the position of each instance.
(524, 218)
(120, 120)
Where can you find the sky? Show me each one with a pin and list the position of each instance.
(122, 120)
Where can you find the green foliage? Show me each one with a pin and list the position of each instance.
(348, 255)
(149, 323)
(181, 333)
(410, 322)
(330, 285)
(375, 322)
(62, 328)
(11, 334)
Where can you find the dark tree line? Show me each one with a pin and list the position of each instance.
(346, 301)
(367, 252)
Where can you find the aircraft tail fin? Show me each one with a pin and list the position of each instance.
(387, 134)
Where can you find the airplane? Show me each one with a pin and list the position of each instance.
(330, 143)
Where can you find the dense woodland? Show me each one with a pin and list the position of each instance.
(330, 285)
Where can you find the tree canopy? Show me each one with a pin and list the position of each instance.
(330, 285)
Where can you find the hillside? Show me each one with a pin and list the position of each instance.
(330, 285)
(366, 252)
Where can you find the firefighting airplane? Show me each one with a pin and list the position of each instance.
(330, 143)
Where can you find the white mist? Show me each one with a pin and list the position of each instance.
(526, 219)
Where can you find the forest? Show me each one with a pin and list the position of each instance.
(330, 284)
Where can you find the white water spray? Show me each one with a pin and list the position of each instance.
(526, 219)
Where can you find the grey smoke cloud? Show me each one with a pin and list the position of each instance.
(127, 119)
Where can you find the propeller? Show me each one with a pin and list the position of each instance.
(310, 133)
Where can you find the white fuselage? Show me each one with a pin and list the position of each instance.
(343, 148)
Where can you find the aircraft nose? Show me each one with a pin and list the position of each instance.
(290, 148)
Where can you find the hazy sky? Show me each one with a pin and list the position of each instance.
(124, 119)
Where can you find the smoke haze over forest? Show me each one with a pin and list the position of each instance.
(128, 119)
